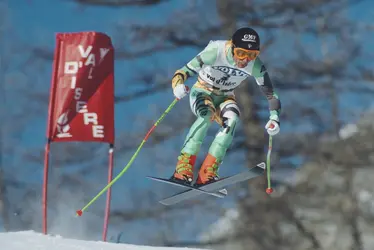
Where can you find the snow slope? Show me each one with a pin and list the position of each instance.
(29, 240)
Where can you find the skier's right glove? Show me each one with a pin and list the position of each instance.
(180, 90)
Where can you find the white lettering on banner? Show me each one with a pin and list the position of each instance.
(90, 73)
(90, 118)
(85, 53)
(72, 68)
(103, 52)
(90, 60)
(78, 93)
(98, 131)
(81, 107)
(73, 82)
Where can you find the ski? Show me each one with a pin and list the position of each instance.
(219, 194)
(220, 184)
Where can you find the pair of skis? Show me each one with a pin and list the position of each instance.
(216, 188)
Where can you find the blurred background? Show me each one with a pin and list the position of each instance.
(320, 58)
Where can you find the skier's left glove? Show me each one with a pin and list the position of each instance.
(272, 126)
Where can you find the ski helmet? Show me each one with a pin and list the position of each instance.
(246, 38)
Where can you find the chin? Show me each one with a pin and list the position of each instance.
(242, 64)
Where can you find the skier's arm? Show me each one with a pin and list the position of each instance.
(261, 75)
(205, 57)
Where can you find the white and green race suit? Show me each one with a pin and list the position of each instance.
(213, 95)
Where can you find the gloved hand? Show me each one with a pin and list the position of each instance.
(180, 91)
(272, 127)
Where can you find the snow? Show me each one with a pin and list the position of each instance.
(224, 227)
(30, 240)
(348, 131)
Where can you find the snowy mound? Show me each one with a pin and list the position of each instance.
(29, 240)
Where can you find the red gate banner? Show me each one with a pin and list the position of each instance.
(81, 104)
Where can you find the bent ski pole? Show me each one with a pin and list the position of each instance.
(269, 189)
(80, 212)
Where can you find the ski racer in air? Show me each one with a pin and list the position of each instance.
(220, 68)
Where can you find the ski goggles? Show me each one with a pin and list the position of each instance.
(244, 53)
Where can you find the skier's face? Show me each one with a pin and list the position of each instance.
(242, 56)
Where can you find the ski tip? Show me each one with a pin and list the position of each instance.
(262, 165)
(165, 203)
(223, 191)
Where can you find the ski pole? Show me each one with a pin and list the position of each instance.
(269, 189)
(80, 212)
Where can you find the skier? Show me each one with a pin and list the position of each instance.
(221, 67)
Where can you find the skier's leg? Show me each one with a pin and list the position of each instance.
(202, 106)
(229, 114)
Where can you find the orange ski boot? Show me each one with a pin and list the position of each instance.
(209, 171)
(184, 170)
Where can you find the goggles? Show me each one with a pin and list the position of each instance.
(243, 53)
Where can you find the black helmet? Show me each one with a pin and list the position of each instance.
(246, 38)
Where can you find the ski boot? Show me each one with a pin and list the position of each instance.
(184, 170)
(208, 172)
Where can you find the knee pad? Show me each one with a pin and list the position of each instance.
(203, 107)
(229, 114)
